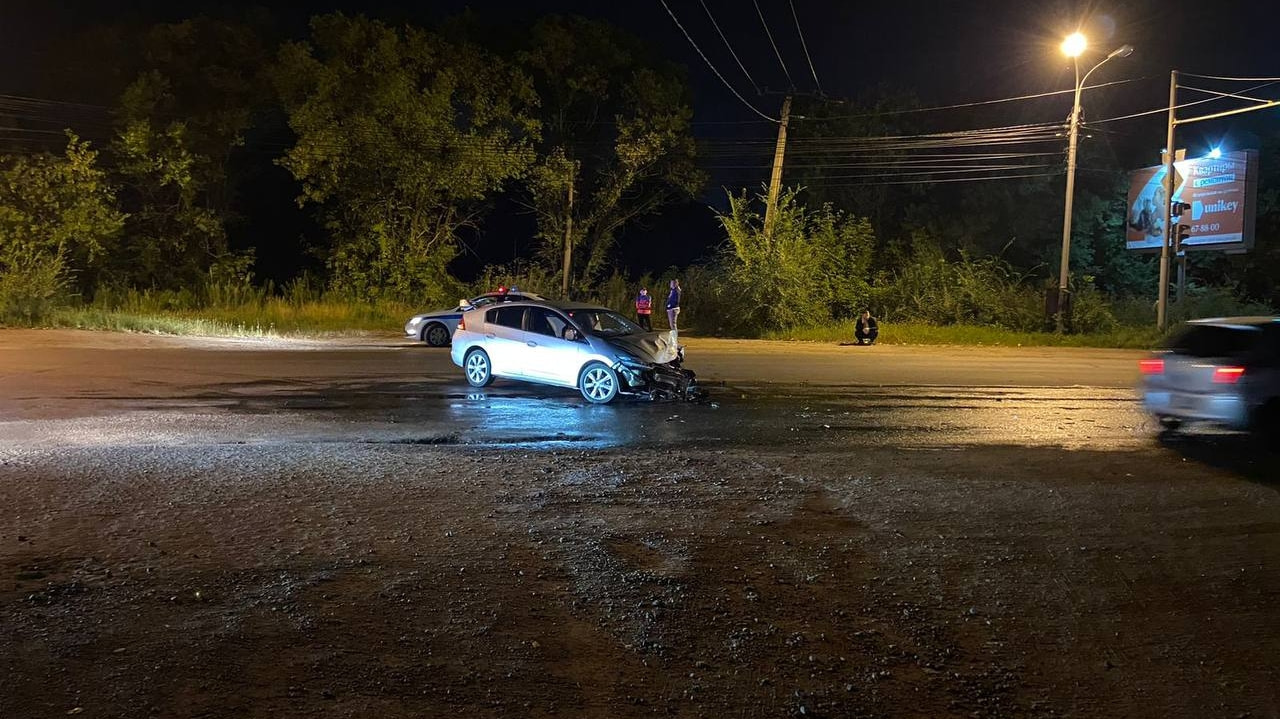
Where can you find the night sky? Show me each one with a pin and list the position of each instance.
(941, 52)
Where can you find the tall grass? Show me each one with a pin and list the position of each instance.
(235, 310)
(915, 333)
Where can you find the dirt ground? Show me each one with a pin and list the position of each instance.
(814, 553)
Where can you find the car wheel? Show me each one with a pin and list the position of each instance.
(435, 335)
(477, 368)
(599, 384)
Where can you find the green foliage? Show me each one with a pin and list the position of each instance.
(616, 124)
(914, 333)
(930, 287)
(31, 287)
(811, 267)
(172, 237)
(401, 134)
(57, 216)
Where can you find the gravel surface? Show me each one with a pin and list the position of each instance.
(300, 534)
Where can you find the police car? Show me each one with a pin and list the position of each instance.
(436, 328)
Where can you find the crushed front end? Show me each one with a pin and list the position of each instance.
(663, 382)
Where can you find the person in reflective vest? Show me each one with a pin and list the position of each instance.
(644, 308)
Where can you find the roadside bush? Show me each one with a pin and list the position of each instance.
(1203, 301)
(1091, 311)
(935, 289)
(31, 289)
(810, 267)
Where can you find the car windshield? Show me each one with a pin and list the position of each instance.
(604, 323)
(1215, 341)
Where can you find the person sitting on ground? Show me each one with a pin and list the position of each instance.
(867, 329)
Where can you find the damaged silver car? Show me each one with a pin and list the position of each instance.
(592, 349)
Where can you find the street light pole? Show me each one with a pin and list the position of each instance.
(1066, 217)
(1073, 46)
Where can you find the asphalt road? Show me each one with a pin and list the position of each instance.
(386, 389)
(231, 528)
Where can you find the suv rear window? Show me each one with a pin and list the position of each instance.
(1215, 341)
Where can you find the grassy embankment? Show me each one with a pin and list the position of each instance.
(279, 317)
(923, 334)
(274, 317)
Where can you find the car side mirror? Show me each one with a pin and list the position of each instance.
(570, 334)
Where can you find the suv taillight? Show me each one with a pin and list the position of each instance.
(1227, 375)
(1151, 366)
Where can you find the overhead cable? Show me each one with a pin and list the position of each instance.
(1193, 103)
(713, 67)
(1229, 79)
(880, 113)
(791, 83)
(742, 67)
(805, 45)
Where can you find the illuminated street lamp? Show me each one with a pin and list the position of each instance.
(1073, 46)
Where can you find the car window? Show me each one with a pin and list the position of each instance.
(545, 322)
(1215, 341)
(482, 301)
(604, 323)
(505, 316)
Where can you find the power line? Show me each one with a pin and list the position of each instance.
(742, 67)
(1179, 107)
(966, 104)
(1223, 94)
(937, 182)
(805, 45)
(713, 67)
(764, 23)
(1229, 79)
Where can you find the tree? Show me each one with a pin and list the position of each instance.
(616, 124)
(401, 134)
(185, 95)
(813, 266)
(173, 238)
(57, 216)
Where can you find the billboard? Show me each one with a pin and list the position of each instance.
(1221, 191)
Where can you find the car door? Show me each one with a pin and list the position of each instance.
(551, 358)
(504, 340)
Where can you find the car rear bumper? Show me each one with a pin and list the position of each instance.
(1224, 408)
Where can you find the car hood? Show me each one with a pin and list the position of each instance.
(656, 347)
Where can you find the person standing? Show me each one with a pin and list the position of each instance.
(644, 309)
(867, 329)
(673, 304)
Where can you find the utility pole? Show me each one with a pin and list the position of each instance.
(1162, 302)
(1064, 271)
(775, 178)
(568, 236)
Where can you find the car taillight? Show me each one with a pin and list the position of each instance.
(1151, 366)
(1227, 375)
(462, 322)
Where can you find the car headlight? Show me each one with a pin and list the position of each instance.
(629, 361)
